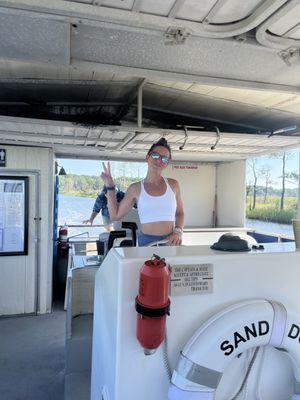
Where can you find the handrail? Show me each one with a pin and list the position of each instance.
(79, 234)
(82, 226)
(279, 236)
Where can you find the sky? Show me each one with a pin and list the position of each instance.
(138, 170)
(292, 165)
(92, 167)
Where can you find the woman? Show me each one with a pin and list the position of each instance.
(158, 199)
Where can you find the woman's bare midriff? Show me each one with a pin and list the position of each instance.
(158, 228)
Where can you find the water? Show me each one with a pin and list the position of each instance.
(73, 210)
(270, 227)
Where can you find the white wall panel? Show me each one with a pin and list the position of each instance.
(18, 273)
(231, 194)
(12, 285)
(197, 191)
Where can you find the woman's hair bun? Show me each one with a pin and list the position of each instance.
(161, 142)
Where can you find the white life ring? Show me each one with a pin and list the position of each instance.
(230, 332)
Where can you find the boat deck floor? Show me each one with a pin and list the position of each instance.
(32, 357)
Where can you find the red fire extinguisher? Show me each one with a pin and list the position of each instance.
(152, 303)
(63, 240)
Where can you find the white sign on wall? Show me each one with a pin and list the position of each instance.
(185, 166)
(191, 279)
(13, 215)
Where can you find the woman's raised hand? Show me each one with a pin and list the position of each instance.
(106, 175)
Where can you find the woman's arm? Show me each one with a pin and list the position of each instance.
(179, 216)
(176, 237)
(117, 210)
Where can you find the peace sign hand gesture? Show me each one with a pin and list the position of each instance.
(106, 175)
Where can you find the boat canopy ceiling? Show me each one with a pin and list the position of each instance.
(105, 78)
(127, 142)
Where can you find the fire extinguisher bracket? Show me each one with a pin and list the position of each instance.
(152, 312)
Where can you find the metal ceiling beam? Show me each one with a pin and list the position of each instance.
(175, 8)
(190, 153)
(246, 148)
(87, 137)
(70, 127)
(142, 151)
(13, 103)
(129, 138)
(83, 152)
(134, 20)
(86, 152)
(67, 103)
(226, 101)
(105, 83)
(38, 123)
(122, 144)
(267, 38)
(50, 137)
(125, 107)
(136, 5)
(298, 206)
(151, 74)
(69, 82)
(84, 103)
(208, 134)
(203, 119)
(140, 103)
(131, 98)
(94, 155)
(62, 152)
(213, 11)
(98, 139)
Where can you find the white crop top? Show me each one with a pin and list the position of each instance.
(156, 208)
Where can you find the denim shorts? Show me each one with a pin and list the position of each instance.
(144, 239)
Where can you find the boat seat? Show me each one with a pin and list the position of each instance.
(71, 268)
(83, 248)
(108, 240)
(82, 290)
(131, 216)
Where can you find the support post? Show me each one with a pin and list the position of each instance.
(140, 103)
(298, 208)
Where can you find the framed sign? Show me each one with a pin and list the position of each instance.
(13, 215)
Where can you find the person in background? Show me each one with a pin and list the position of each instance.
(101, 205)
(158, 199)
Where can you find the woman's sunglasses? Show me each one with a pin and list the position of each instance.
(155, 156)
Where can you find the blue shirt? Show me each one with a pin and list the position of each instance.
(101, 202)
